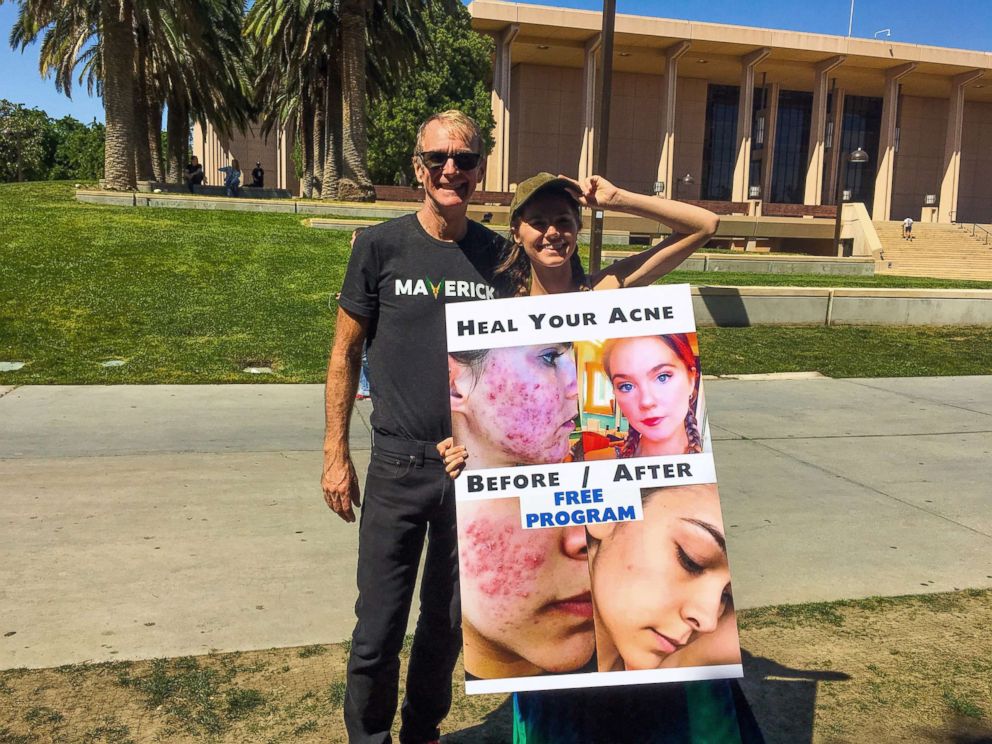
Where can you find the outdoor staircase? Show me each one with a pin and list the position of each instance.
(937, 250)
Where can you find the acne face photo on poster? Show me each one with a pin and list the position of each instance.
(526, 607)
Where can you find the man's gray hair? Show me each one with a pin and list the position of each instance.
(455, 122)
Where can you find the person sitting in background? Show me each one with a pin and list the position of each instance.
(258, 177)
(232, 178)
(194, 174)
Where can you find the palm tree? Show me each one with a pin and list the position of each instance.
(135, 53)
(308, 48)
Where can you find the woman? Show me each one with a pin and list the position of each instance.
(660, 584)
(655, 383)
(517, 406)
(545, 221)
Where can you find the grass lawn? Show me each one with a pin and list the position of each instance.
(186, 296)
(895, 669)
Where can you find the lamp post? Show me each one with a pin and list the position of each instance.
(858, 156)
(602, 128)
(686, 180)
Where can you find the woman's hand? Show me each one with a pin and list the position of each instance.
(454, 457)
(596, 191)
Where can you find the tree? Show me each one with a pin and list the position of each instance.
(78, 151)
(34, 147)
(458, 76)
(319, 62)
(135, 53)
(23, 142)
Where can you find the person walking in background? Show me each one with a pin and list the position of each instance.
(258, 180)
(232, 178)
(194, 174)
(907, 228)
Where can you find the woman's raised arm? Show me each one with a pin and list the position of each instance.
(691, 227)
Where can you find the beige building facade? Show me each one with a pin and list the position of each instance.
(729, 113)
(274, 152)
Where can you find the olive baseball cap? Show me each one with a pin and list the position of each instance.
(528, 189)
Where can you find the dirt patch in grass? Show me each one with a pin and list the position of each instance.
(905, 669)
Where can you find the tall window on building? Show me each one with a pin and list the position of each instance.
(720, 142)
(862, 124)
(791, 146)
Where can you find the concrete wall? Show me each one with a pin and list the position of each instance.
(766, 264)
(545, 120)
(747, 306)
(975, 196)
(919, 163)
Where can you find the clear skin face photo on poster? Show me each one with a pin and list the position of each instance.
(662, 585)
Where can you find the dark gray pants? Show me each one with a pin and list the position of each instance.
(407, 497)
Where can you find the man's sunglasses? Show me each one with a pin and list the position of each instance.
(464, 161)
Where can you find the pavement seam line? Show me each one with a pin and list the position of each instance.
(843, 477)
(167, 453)
(858, 436)
(12, 389)
(920, 397)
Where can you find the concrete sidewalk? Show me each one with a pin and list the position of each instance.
(141, 521)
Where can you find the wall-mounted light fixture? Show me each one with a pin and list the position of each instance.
(659, 188)
(754, 192)
(930, 199)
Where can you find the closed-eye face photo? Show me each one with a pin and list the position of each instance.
(514, 406)
(639, 397)
(661, 586)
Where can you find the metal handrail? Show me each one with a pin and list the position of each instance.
(974, 232)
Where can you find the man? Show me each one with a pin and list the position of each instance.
(258, 176)
(907, 228)
(194, 173)
(399, 277)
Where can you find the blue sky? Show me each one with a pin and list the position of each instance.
(964, 24)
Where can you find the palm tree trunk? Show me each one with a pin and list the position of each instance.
(319, 120)
(306, 140)
(155, 138)
(177, 126)
(332, 133)
(142, 153)
(118, 100)
(355, 184)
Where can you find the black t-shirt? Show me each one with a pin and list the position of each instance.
(400, 278)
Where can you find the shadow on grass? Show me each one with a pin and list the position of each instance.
(960, 730)
(497, 728)
(783, 699)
